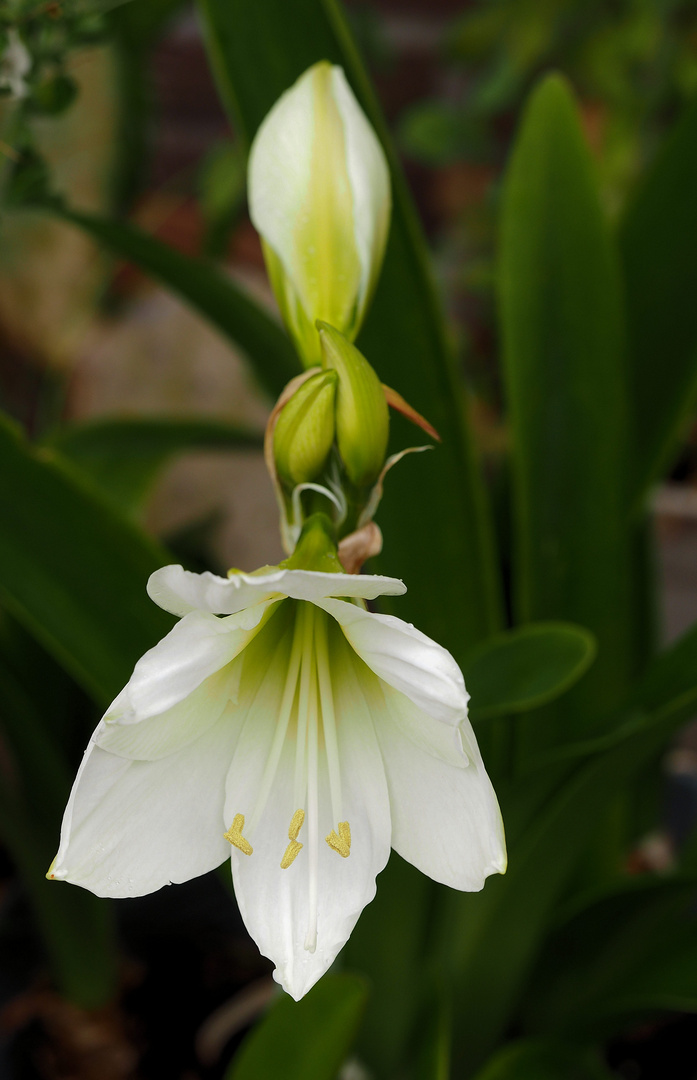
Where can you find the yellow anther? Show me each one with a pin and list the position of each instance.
(296, 823)
(234, 835)
(290, 854)
(341, 843)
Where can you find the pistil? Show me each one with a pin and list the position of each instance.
(312, 814)
(328, 715)
(285, 713)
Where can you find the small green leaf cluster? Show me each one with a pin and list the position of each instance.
(49, 32)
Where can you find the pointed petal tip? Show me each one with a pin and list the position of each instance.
(296, 992)
(298, 983)
(498, 863)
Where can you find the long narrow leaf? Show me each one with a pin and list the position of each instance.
(644, 955)
(72, 570)
(202, 285)
(305, 1040)
(76, 927)
(563, 352)
(123, 457)
(436, 526)
(658, 243)
(544, 1059)
(500, 929)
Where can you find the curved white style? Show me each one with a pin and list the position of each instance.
(298, 733)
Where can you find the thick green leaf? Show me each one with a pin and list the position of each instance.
(135, 28)
(658, 243)
(222, 182)
(76, 927)
(141, 23)
(432, 1042)
(621, 953)
(521, 669)
(124, 456)
(433, 506)
(205, 287)
(671, 676)
(307, 1039)
(563, 350)
(490, 939)
(389, 943)
(72, 570)
(544, 1059)
(668, 684)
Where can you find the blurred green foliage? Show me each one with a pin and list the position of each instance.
(633, 62)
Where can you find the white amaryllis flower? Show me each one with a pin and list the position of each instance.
(299, 734)
(319, 195)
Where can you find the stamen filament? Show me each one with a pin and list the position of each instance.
(284, 716)
(328, 715)
(313, 823)
(305, 630)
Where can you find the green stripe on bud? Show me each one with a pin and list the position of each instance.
(304, 431)
(362, 416)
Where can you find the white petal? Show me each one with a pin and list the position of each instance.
(181, 591)
(370, 185)
(443, 741)
(275, 903)
(280, 172)
(404, 658)
(194, 649)
(445, 820)
(122, 732)
(131, 827)
(301, 199)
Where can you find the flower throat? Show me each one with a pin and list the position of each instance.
(308, 699)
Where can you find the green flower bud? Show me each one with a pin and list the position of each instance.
(304, 430)
(362, 416)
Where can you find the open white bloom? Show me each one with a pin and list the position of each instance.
(298, 733)
(15, 64)
(319, 195)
